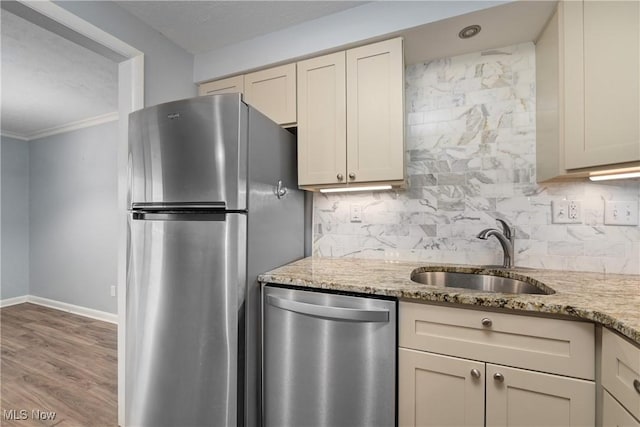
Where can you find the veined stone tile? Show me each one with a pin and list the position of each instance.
(566, 248)
(604, 249)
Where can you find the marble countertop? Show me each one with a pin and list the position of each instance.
(612, 300)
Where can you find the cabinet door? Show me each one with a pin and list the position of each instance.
(602, 78)
(621, 370)
(435, 390)
(230, 85)
(321, 120)
(273, 93)
(614, 415)
(375, 112)
(516, 397)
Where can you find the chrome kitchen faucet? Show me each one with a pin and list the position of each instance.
(506, 239)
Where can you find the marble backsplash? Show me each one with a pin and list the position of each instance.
(470, 141)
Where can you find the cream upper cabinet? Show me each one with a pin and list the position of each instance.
(322, 127)
(588, 89)
(351, 117)
(229, 85)
(375, 112)
(273, 92)
(438, 388)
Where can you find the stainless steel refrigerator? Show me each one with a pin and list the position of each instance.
(213, 203)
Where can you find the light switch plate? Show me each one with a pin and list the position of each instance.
(356, 213)
(620, 213)
(113, 291)
(566, 212)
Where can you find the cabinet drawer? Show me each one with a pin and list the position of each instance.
(547, 345)
(620, 370)
(614, 415)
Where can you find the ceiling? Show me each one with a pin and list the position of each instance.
(504, 25)
(201, 26)
(49, 81)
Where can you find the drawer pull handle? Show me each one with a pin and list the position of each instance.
(636, 385)
(498, 377)
(486, 322)
(475, 373)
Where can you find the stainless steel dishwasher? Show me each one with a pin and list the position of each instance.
(328, 360)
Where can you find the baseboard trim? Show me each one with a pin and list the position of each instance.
(7, 302)
(62, 306)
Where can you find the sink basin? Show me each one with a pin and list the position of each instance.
(481, 282)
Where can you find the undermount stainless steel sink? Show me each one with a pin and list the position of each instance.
(479, 281)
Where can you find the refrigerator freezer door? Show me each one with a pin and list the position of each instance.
(185, 287)
(192, 150)
(329, 360)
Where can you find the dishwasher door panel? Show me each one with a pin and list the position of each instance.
(329, 360)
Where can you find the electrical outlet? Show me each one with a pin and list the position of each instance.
(620, 213)
(356, 213)
(113, 291)
(566, 212)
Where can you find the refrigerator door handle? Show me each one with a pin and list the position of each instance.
(177, 206)
(328, 312)
(178, 216)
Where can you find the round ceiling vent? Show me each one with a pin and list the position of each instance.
(470, 31)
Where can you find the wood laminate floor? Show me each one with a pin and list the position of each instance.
(56, 361)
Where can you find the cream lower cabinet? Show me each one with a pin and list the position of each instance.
(437, 390)
(620, 367)
(517, 397)
(351, 117)
(614, 414)
(465, 367)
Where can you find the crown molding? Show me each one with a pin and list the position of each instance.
(55, 130)
(13, 135)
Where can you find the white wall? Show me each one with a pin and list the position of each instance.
(356, 25)
(168, 69)
(14, 227)
(471, 150)
(73, 217)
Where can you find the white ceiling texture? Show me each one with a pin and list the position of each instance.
(201, 26)
(49, 82)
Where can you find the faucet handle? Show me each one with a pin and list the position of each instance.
(506, 229)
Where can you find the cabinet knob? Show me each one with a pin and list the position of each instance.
(352, 175)
(486, 322)
(475, 373)
(340, 177)
(498, 377)
(636, 385)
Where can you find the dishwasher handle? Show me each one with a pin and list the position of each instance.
(328, 312)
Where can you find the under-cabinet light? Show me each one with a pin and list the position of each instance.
(606, 177)
(345, 189)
